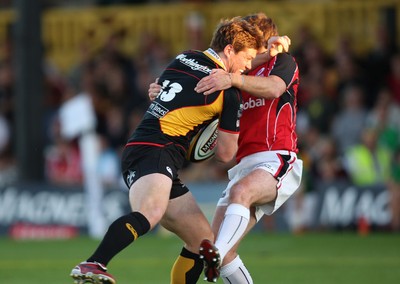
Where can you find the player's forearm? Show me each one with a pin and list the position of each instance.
(265, 87)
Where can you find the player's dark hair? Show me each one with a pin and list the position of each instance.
(265, 25)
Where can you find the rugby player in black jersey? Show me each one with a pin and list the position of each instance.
(156, 151)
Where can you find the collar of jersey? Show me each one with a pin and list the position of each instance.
(210, 53)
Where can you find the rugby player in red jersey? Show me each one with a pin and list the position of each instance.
(268, 170)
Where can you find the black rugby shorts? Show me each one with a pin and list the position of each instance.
(141, 160)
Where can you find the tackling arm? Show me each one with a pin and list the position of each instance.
(266, 87)
(270, 87)
(226, 146)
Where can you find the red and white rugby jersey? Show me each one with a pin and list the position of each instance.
(268, 124)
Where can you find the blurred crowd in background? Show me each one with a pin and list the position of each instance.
(86, 3)
(348, 112)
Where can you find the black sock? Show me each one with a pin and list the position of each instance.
(121, 233)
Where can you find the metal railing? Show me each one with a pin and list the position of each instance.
(67, 31)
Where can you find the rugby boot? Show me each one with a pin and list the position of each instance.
(212, 260)
(91, 272)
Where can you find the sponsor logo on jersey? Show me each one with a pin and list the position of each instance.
(253, 103)
(157, 110)
(239, 115)
(240, 111)
(193, 64)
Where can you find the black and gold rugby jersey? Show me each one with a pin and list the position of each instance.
(178, 112)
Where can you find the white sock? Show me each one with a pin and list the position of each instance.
(235, 273)
(232, 228)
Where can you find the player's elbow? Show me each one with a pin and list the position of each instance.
(225, 155)
(226, 146)
(224, 158)
(274, 94)
(275, 87)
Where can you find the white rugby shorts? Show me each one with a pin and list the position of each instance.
(283, 165)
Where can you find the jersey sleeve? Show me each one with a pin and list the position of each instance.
(285, 67)
(230, 115)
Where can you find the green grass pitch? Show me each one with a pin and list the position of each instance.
(326, 258)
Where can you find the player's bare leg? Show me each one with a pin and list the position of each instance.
(185, 218)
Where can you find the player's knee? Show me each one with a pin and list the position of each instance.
(193, 242)
(154, 216)
(239, 194)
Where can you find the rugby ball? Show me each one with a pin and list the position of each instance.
(202, 145)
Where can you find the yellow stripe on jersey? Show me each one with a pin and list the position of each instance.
(181, 121)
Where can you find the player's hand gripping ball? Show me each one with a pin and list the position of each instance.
(202, 146)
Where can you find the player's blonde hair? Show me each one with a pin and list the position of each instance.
(237, 32)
